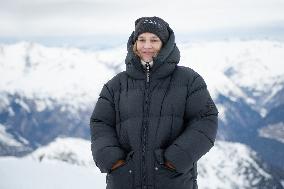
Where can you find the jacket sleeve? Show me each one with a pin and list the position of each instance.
(201, 123)
(104, 143)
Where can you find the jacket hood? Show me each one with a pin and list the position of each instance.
(164, 63)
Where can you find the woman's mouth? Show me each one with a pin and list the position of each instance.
(148, 53)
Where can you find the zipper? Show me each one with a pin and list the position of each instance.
(145, 125)
(147, 72)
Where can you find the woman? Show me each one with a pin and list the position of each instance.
(154, 121)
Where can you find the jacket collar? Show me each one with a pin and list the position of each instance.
(164, 63)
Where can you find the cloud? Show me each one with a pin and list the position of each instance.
(84, 17)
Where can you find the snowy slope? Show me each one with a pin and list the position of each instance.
(12, 144)
(227, 165)
(26, 173)
(7, 139)
(232, 165)
(249, 70)
(71, 150)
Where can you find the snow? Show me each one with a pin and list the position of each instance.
(62, 74)
(24, 173)
(274, 90)
(273, 131)
(254, 64)
(4, 102)
(233, 67)
(222, 113)
(7, 139)
(65, 73)
(227, 165)
(282, 182)
(23, 104)
(64, 163)
(72, 150)
(230, 165)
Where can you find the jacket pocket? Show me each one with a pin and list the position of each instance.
(123, 176)
(167, 178)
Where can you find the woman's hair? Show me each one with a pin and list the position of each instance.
(134, 48)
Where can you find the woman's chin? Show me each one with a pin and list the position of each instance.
(147, 59)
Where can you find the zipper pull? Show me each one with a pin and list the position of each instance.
(148, 71)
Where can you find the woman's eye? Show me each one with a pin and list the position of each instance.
(141, 40)
(154, 41)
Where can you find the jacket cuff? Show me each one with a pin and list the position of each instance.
(179, 158)
(107, 157)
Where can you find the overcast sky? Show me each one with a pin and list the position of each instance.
(87, 17)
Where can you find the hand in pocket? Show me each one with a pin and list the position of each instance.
(117, 164)
(170, 165)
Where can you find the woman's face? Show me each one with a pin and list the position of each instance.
(148, 46)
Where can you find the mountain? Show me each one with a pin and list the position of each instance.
(234, 165)
(32, 118)
(273, 126)
(246, 79)
(46, 92)
(12, 144)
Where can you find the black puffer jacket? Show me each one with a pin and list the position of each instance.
(169, 117)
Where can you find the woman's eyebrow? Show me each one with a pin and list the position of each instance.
(154, 37)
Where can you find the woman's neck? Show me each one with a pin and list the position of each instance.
(144, 63)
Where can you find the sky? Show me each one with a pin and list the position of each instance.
(67, 18)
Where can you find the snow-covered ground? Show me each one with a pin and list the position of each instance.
(71, 150)
(25, 173)
(67, 163)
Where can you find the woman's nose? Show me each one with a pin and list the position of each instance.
(147, 44)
